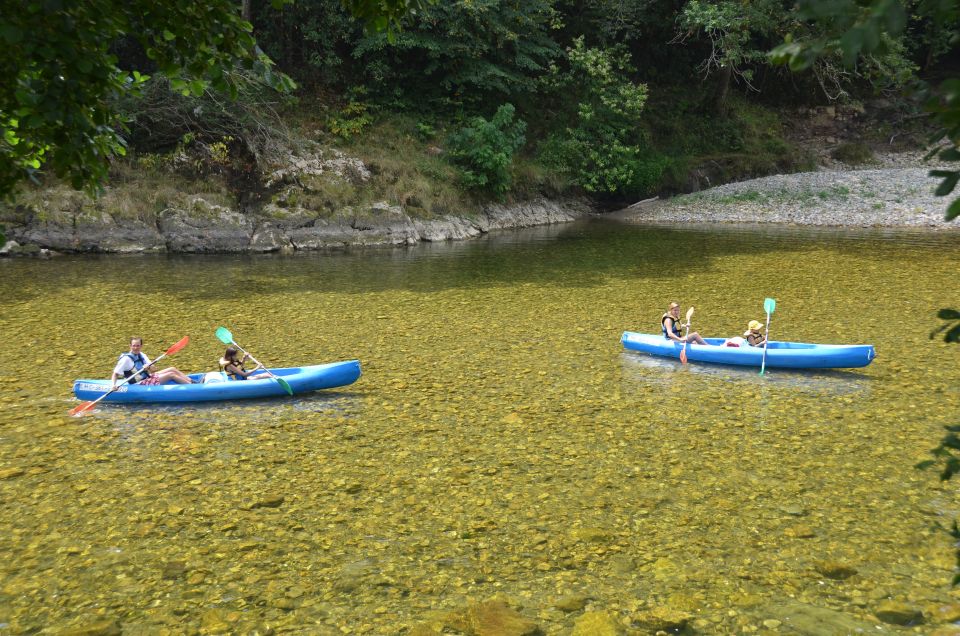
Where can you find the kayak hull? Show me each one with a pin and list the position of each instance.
(300, 379)
(780, 355)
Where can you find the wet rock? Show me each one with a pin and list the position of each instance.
(898, 613)
(268, 238)
(810, 619)
(571, 602)
(173, 570)
(492, 618)
(596, 624)
(835, 570)
(104, 627)
(592, 535)
(218, 621)
(622, 564)
(949, 613)
(205, 227)
(268, 501)
(10, 473)
(659, 619)
(794, 510)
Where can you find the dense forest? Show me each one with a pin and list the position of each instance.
(452, 102)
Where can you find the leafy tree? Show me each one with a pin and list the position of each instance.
(478, 52)
(853, 29)
(311, 41)
(738, 33)
(484, 149)
(60, 74)
(601, 146)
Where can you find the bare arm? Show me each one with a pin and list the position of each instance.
(668, 323)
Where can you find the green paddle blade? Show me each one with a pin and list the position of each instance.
(283, 383)
(223, 335)
(769, 304)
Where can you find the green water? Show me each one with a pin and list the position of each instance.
(499, 445)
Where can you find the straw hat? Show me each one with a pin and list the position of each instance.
(755, 325)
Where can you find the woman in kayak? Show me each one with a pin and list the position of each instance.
(136, 363)
(232, 364)
(670, 326)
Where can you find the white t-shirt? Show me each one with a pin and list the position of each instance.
(126, 364)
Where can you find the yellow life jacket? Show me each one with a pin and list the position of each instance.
(224, 363)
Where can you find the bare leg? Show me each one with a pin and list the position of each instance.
(695, 337)
(172, 373)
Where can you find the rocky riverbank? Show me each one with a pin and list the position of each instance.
(205, 227)
(897, 192)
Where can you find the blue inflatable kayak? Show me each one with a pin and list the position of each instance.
(300, 379)
(783, 355)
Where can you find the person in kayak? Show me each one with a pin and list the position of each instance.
(670, 326)
(232, 364)
(136, 363)
(754, 334)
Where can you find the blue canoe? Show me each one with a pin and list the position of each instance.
(300, 379)
(780, 355)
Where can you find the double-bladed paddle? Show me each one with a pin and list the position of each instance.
(223, 335)
(769, 304)
(683, 352)
(83, 407)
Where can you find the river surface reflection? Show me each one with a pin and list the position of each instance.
(499, 445)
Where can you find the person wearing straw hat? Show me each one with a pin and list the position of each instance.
(754, 334)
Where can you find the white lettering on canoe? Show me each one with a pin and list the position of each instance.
(84, 386)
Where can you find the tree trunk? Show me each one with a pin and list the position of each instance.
(246, 10)
(724, 77)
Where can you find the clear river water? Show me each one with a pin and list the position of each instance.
(502, 465)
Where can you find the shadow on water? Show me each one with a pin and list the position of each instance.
(642, 369)
(338, 404)
(578, 254)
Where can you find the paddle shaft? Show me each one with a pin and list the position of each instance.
(683, 352)
(766, 339)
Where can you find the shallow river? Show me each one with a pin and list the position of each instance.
(502, 464)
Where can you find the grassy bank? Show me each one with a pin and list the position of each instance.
(404, 160)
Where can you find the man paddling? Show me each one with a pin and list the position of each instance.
(136, 363)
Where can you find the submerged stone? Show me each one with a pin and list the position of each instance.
(898, 613)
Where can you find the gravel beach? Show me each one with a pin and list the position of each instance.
(897, 191)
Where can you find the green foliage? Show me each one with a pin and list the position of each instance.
(60, 76)
(854, 31)
(309, 40)
(384, 15)
(736, 32)
(425, 131)
(484, 149)
(600, 147)
(853, 153)
(473, 52)
(352, 118)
